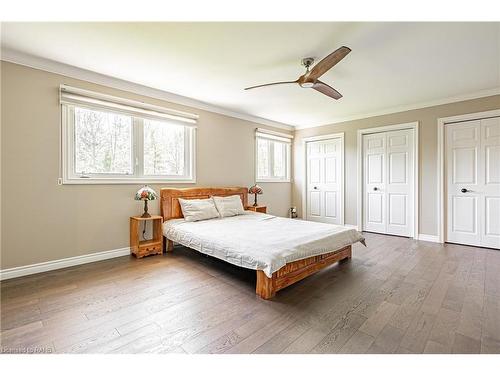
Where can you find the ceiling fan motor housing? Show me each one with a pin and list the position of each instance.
(307, 62)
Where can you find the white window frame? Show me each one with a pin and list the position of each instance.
(273, 137)
(68, 156)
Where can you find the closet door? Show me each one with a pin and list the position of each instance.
(399, 187)
(388, 182)
(473, 182)
(374, 171)
(324, 181)
(490, 169)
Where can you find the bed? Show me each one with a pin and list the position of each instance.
(282, 251)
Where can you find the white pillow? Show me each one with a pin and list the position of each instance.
(229, 206)
(198, 209)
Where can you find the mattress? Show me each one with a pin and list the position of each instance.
(259, 241)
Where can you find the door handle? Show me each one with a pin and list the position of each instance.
(464, 190)
(375, 188)
(315, 188)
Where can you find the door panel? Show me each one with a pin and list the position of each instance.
(397, 209)
(375, 209)
(324, 181)
(492, 164)
(331, 170)
(397, 167)
(315, 170)
(464, 218)
(464, 165)
(375, 168)
(331, 204)
(314, 203)
(492, 227)
(472, 169)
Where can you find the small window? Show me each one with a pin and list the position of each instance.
(272, 157)
(105, 142)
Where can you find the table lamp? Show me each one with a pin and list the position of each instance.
(255, 189)
(145, 194)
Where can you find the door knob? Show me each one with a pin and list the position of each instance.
(464, 190)
(315, 188)
(375, 188)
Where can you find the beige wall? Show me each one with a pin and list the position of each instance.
(42, 221)
(427, 118)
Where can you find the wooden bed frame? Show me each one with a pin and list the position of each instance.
(266, 287)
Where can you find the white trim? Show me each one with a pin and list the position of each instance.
(31, 269)
(416, 174)
(51, 66)
(350, 226)
(428, 238)
(410, 107)
(342, 171)
(440, 161)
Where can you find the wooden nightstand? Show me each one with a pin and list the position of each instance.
(149, 247)
(261, 209)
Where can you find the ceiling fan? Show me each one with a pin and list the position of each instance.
(310, 78)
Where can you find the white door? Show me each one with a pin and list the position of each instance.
(388, 182)
(324, 181)
(473, 182)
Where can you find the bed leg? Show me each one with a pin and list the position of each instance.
(169, 245)
(348, 255)
(265, 286)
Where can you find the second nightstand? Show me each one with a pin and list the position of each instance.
(146, 247)
(261, 209)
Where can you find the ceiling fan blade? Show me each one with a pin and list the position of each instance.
(269, 84)
(328, 62)
(327, 90)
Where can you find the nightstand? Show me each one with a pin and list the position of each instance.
(261, 209)
(146, 247)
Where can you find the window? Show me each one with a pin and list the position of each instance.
(272, 156)
(107, 141)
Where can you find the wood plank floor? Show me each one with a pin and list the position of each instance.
(396, 296)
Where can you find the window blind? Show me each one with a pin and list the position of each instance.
(80, 97)
(276, 136)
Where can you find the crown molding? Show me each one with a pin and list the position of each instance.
(51, 66)
(409, 107)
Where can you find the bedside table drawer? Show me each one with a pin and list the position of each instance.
(145, 250)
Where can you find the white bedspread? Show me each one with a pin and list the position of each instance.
(260, 241)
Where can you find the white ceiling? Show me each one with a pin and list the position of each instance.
(392, 65)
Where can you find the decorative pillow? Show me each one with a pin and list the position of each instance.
(198, 209)
(229, 206)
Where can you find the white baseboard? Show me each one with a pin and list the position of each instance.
(428, 238)
(31, 269)
(351, 226)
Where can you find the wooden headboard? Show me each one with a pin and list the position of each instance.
(169, 198)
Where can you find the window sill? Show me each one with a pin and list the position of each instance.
(125, 181)
(271, 180)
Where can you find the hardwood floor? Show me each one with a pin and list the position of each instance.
(396, 296)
